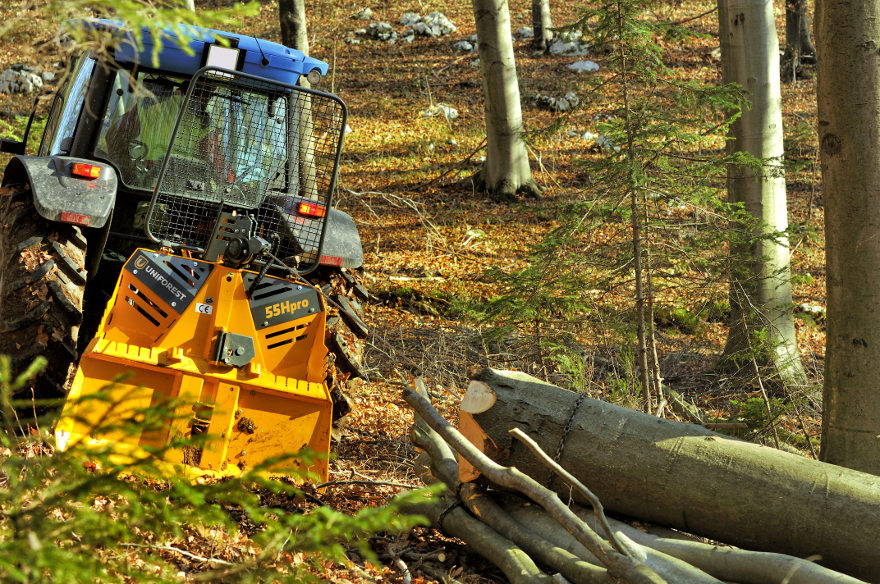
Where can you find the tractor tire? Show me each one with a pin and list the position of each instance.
(345, 339)
(42, 283)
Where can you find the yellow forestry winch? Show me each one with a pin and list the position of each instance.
(240, 353)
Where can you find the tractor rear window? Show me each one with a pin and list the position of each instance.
(228, 135)
(137, 125)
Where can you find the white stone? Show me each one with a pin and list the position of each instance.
(584, 66)
(409, 19)
(439, 24)
(20, 79)
(441, 109)
(381, 31)
(365, 14)
(569, 48)
(606, 144)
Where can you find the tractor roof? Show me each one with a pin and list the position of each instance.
(254, 56)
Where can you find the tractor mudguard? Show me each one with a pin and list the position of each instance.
(342, 242)
(61, 195)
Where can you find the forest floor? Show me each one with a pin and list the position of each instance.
(429, 239)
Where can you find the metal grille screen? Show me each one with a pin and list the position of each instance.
(242, 144)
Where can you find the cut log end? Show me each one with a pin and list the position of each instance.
(478, 399)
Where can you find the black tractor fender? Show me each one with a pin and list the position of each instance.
(61, 195)
(342, 242)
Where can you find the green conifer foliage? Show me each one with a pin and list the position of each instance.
(77, 516)
(651, 222)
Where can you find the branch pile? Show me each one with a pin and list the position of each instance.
(503, 494)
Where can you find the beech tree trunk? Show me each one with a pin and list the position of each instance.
(294, 27)
(798, 43)
(506, 171)
(541, 24)
(848, 95)
(760, 295)
(679, 475)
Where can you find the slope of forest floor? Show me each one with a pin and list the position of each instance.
(429, 239)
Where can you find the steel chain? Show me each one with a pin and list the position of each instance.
(565, 432)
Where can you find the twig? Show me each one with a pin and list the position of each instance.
(452, 168)
(598, 509)
(692, 18)
(797, 412)
(661, 407)
(401, 565)
(437, 574)
(451, 63)
(766, 402)
(169, 548)
(366, 482)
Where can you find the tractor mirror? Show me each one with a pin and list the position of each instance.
(11, 146)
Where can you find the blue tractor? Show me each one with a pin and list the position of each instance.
(210, 152)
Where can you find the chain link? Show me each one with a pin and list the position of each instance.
(565, 431)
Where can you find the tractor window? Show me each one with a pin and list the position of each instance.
(66, 108)
(251, 130)
(137, 124)
(232, 138)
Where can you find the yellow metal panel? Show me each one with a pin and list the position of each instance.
(277, 404)
(272, 424)
(225, 404)
(188, 396)
(109, 403)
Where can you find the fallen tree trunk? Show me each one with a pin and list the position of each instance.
(726, 563)
(620, 565)
(679, 475)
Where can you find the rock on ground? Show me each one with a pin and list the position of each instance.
(584, 66)
(22, 79)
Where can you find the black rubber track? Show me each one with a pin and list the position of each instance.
(42, 281)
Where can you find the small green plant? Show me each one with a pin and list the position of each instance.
(717, 311)
(678, 317)
(753, 411)
(622, 381)
(806, 278)
(64, 521)
(573, 366)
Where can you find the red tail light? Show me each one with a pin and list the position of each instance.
(312, 209)
(86, 170)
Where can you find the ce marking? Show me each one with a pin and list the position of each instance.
(204, 308)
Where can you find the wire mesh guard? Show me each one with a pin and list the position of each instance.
(242, 144)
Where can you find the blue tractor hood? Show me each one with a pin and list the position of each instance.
(255, 56)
